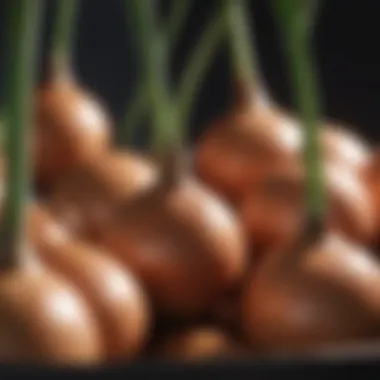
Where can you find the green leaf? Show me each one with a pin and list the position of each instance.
(297, 15)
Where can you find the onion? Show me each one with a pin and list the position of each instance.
(274, 211)
(199, 343)
(71, 129)
(183, 242)
(326, 296)
(84, 201)
(71, 126)
(44, 319)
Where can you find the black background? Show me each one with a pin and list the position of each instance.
(346, 44)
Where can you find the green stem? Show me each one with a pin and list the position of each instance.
(133, 116)
(63, 34)
(242, 49)
(138, 104)
(24, 27)
(296, 19)
(200, 60)
(177, 16)
(153, 57)
(2, 128)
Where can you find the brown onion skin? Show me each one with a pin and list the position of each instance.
(325, 295)
(43, 319)
(237, 146)
(372, 178)
(84, 201)
(71, 129)
(117, 299)
(273, 212)
(199, 343)
(184, 244)
(257, 134)
(45, 232)
(227, 312)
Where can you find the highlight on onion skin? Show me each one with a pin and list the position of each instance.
(198, 343)
(344, 147)
(71, 129)
(84, 201)
(44, 319)
(352, 211)
(325, 295)
(274, 210)
(182, 242)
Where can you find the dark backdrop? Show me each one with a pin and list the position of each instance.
(346, 46)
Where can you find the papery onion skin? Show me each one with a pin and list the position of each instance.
(184, 244)
(327, 294)
(45, 320)
(198, 343)
(273, 211)
(239, 146)
(71, 129)
(85, 200)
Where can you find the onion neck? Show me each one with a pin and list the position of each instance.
(248, 80)
(62, 41)
(60, 73)
(24, 28)
(175, 168)
(246, 98)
